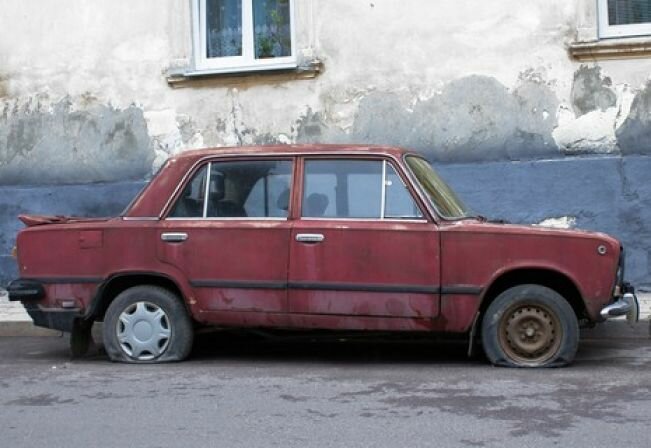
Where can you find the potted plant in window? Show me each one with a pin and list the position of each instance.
(265, 46)
(272, 40)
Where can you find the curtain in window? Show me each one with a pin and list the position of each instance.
(272, 31)
(223, 28)
(624, 12)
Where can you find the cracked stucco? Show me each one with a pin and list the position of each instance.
(56, 143)
(561, 222)
(634, 134)
(591, 91)
(456, 92)
(471, 118)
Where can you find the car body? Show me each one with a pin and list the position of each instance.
(336, 237)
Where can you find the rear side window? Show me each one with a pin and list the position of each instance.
(242, 189)
(190, 203)
(355, 189)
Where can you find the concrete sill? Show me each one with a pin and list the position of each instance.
(626, 48)
(199, 79)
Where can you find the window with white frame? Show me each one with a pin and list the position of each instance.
(624, 18)
(243, 35)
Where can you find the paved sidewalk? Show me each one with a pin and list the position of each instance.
(15, 321)
(11, 311)
(645, 305)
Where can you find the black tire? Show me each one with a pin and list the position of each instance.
(530, 326)
(149, 301)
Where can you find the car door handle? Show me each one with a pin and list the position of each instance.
(174, 237)
(309, 237)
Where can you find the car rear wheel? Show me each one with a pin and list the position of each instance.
(530, 326)
(147, 324)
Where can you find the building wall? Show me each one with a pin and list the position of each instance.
(487, 91)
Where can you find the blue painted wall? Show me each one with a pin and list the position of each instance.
(106, 199)
(608, 194)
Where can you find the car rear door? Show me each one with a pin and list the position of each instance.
(362, 253)
(228, 233)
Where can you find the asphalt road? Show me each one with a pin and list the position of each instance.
(242, 392)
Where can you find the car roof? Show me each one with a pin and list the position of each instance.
(292, 150)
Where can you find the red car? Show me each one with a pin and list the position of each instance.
(314, 237)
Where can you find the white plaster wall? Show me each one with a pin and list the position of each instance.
(117, 53)
(402, 43)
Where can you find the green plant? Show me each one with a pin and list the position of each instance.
(265, 46)
(267, 43)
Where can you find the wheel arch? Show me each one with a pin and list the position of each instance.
(118, 283)
(553, 279)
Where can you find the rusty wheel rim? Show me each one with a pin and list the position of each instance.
(530, 333)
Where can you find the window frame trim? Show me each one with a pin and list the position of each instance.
(607, 31)
(247, 61)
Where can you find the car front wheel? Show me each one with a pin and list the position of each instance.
(147, 324)
(530, 326)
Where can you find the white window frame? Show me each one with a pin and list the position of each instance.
(605, 30)
(245, 62)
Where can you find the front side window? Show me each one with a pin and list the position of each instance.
(622, 18)
(242, 189)
(240, 35)
(355, 189)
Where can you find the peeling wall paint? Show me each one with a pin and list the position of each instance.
(459, 81)
(591, 91)
(634, 135)
(473, 118)
(43, 143)
(561, 222)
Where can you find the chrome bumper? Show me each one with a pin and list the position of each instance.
(626, 305)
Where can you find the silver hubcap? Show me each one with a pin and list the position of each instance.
(143, 331)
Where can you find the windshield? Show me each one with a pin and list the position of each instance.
(439, 193)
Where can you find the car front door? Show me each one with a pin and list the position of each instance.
(228, 233)
(362, 253)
